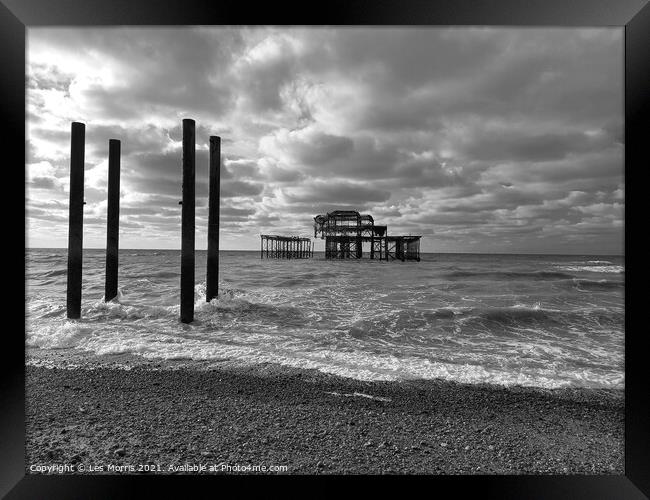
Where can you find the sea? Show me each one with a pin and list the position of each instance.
(544, 321)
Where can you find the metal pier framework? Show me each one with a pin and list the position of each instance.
(346, 231)
(285, 247)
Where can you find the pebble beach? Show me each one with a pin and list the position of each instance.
(278, 420)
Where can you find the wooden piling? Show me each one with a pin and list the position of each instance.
(113, 220)
(212, 279)
(75, 219)
(187, 223)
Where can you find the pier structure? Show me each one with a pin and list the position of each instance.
(346, 231)
(285, 247)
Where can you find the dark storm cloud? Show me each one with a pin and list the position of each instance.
(44, 183)
(541, 147)
(238, 212)
(141, 140)
(319, 149)
(240, 169)
(427, 172)
(169, 68)
(326, 155)
(461, 133)
(282, 175)
(231, 189)
(333, 192)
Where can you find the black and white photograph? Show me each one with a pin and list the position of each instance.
(325, 250)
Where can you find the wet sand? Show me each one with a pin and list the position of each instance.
(110, 420)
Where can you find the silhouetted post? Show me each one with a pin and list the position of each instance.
(113, 216)
(187, 223)
(212, 280)
(75, 219)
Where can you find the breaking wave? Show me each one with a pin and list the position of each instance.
(509, 275)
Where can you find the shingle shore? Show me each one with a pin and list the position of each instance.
(112, 420)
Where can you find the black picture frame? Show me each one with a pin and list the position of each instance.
(634, 15)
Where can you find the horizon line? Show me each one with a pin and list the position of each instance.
(321, 251)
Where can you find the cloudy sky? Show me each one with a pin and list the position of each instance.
(480, 139)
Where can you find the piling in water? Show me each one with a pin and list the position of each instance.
(212, 278)
(75, 220)
(187, 223)
(113, 217)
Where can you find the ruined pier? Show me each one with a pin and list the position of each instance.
(285, 247)
(346, 231)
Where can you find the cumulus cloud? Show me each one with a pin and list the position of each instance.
(480, 139)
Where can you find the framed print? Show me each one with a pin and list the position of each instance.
(277, 244)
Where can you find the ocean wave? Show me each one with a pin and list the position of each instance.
(229, 306)
(604, 284)
(399, 327)
(53, 273)
(42, 257)
(290, 282)
(521, 315)
(354, 363)
(155, 274)
(593, 269)
(58, 335)
(505, 275)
